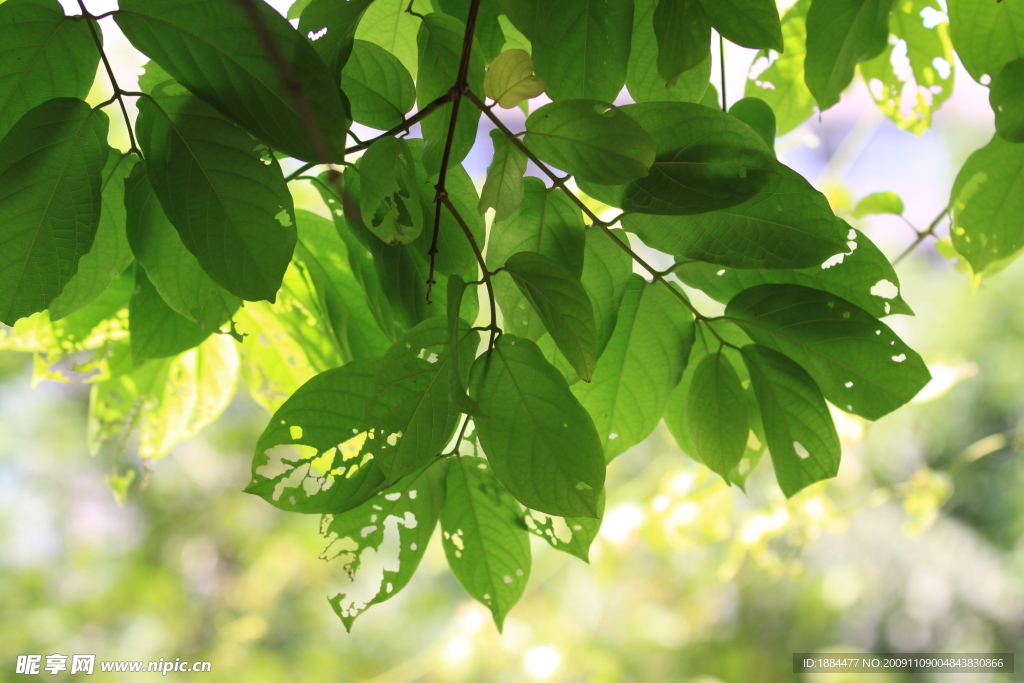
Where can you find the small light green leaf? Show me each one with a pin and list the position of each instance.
(558, 297)
(706, 160)
(504, 188)
(573, 535)
(798, 427)
(440, 42)
(331, 26)
(716, 415)
(640, 367)
(538, 438)
(863, 276)
(110, 254)
(756, 113)
(1007, 99)
(51, 176)
(748, 23)
(223, 193)
(860, 364)
(788, 224)
(593, 140)
(387, 24)
(408, 510)
(642, 78)
(606, 273)
(840, 35)
(987, 203)
(879, 203)
(581, 48)
(778, 79)
(210, 47)
(43, 55)
(456, 387)
(510, 79)
(379, 88)
(485, 538)
(389, 203)
(157, 331)
(986, 35)
(683, 31)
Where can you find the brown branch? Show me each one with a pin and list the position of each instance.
(118, 93)
(461, 87)
(922, 236)
(486, 275)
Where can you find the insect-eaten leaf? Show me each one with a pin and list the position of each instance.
(389, 202)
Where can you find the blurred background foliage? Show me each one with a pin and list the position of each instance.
(916, 546)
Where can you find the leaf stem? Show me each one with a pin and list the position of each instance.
(118, 93)
(485, 274)
(922, 235)
(721, 61)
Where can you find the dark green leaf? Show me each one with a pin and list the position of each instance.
(798, 427)
(606, 272)
(485, 538)
(558, 297)
(503, 190)
(779, 79)
(859, 363)
(642, 78)
(683, 32)
(788, 224)
(43, 55)
(156, 330)
(488, 31)
(51, 175)
(388, 201)
(538, 438)
(592, 140)
(1007, 99)
(331, 26)
(440, 49)
(456, 387)
(328, 415)
(225, 195)
(987, 203)
(583, 48)
(756, 113)
(211, 47)
(408, 510)
(529, 16)
(879, 202)
(749, 23)
(110, 254)
(640, 367)
(840, 35)
(573, 535)
(716, 415)
(380, 90)
(986, 35)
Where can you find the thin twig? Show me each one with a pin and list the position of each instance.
(485, 274)
(721, 60)
(922, 236)
(89, 19)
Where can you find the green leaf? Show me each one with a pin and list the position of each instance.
(581, 48)
(706, 160)
(331, 26)
(51, 176)
(528, 16)
(488, 29)
(558, 297)
(756, 113)
(409, 510)
(43, 55)
(798, 427)
(409, 405)
(879, 203)
(485, 538)
(642, 78)
(748, 23)
(606, 273)
(157, 331)
(274, 363)
(640, 367)
(334, 471)
(504, 188)
(379, 88)
(840, 35)
(986, 35)
(110, 254)
(987, 202)
(388, 201)
(225, 196)
(683, 32)
(863, 276)
(788, 224)
(175, 273)
(910, 96)
(538, 438)
(440, 41)
(716, 415)
(592, 140)
(779, 79)
(387, 24)
(211, 48)
(1007, 99)
(456, 387)
(859, 363)
(573, 535)
(548, 223)
(510, 80)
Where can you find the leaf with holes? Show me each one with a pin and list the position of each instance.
(986, 35)
(379, 88)
(331, 26)
(540, 441)
(778, 79)
(484, 537)
(389, 203)
(504, 188)
(1007, 99)
(573, 535)
(716, 415)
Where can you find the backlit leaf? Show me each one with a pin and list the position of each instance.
(778, 79)
(683, 31)
(504, 188)
(573, 535)
(331, 26)
(157, 331)
(387, 24)
(758, 115)
(379, 88)
(986, 35)
(642, 78)
(388, 201)
(749, 23)
(1007, 99)
(879, 203)
(510, 79)
(606, 273)
(716, 415)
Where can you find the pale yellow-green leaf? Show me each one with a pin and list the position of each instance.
(274, 364)
(510, 79)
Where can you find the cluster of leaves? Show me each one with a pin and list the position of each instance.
(183, 261)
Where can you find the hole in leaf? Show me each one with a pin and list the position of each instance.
(802, 452)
